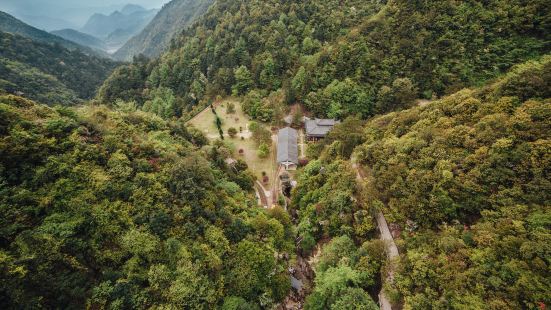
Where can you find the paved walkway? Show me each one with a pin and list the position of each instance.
(385, 235)
(261, 194)
(302, 144)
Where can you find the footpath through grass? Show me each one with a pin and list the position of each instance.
(205, 121)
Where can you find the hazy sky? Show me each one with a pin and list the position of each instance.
(74, 13)
(80, 3)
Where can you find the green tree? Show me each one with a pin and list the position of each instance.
(347, 98)
(354, 299)
(269, 76)
(299, 83)
(243, 81)
(263, 150)
(250, 265)
(163, 103)
(330, 286)
(401, 95)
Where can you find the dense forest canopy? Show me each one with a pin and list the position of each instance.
(48, 71)
(340, 58)
(155, 38)
(124, 210)
(471, 151)
(12, 25)
(118, 203)
(466, 178)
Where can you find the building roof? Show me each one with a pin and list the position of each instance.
(319, 127)
(287, 148)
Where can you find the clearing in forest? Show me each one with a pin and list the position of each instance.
(206, 122)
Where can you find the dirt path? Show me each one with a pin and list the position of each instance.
(385, 235)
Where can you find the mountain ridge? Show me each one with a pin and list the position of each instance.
(81, 38)
(173, 18)
(10, 24)
(101, 25)
(117, 28)
(49, 72)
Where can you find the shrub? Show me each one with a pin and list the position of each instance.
(232, 132)
(230, 108)
(263, 150)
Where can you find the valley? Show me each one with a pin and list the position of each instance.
(220, 154)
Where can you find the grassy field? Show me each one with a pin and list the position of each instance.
(205, 121)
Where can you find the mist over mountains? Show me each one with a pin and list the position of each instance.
(173, 18)
(52, 15)
(118, 27)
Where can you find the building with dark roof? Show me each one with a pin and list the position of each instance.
(318, 128)
(287, 148)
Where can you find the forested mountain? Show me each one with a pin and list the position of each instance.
(342, 57)
(118, 27)
(118, 203)
(173, 18)
(468, 181)
(12, 25)
(122, 209)
(475, 166)
(81, 38)
(48, 71)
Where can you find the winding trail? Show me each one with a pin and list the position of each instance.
(386, 236)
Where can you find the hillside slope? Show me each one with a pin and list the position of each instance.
(468, 180)
(107, 209)
(465, 182)
(12, 25)
(81, 38)
(350, 57)
(49, 72)
(173, 18)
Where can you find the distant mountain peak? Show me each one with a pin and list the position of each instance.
(118, 27)
(132, 8)
(117, 14)
(173, 18)
(13, 25)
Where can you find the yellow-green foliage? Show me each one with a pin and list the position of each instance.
(104, 208)
(472, 173)
(339, 57)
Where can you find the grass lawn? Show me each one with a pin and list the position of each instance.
(205, 121)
